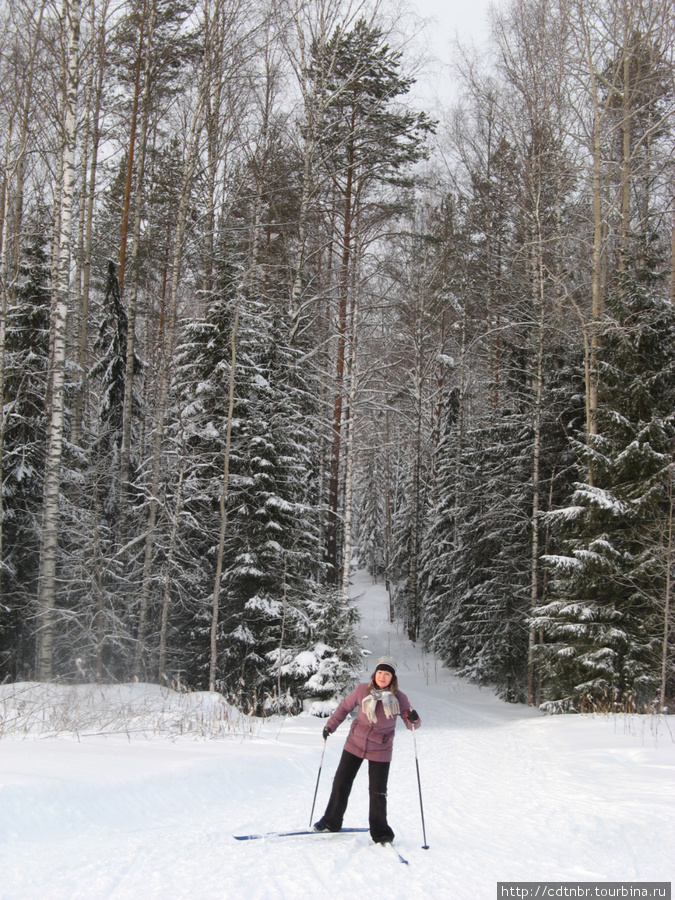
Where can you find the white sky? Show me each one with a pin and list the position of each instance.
(448, 19)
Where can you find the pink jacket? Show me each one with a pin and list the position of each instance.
(366, 739)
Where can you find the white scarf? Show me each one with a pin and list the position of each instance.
(389, 702)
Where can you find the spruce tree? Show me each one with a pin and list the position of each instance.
(110, 371)
(604, 629)
(24, 447)
(372, 526)
(271, 577)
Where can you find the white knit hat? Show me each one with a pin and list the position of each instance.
(386, 662)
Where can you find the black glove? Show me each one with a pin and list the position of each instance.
(412, 715)
(326, 732)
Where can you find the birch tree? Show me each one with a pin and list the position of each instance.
(98, 66)
(46, 600)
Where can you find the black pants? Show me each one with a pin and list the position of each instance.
(378, 774)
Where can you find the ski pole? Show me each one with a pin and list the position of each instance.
(316, 789)
(419, 785)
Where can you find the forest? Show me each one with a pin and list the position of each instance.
(265, 319)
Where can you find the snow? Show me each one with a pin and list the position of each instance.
(509, 794)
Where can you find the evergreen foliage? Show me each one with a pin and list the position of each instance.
(271, 615)
(23, 455)
(604, 628)
(372, 525)
(110, 372)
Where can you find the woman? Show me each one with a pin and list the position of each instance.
(370, 737)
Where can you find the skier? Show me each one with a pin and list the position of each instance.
(370, 737)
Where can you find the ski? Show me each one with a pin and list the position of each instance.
(401, 859)
(281, 834)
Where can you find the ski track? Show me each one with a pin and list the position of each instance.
(508, 795)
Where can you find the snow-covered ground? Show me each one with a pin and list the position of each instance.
(509, 795)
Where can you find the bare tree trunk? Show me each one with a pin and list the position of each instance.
(46, 599)
(322, 20)
(597, 297)
(583, 29)
(4, 290)
(215, 609)
(351, 407)
(99, 626)
(624, 219)
(666, 611)
(165, 368)
(415, 500)
(166, 598)
(302, 238)
(6, 286)
(81, 390)
(126, 200)
(672, 249)
(601, 95)
(461, 422)
(534, 580)
(387, 513)
(21, 161)
(212, 124)
(334, 482)
(251, 272)
(283, 633)
(127, 412)
(78, 280)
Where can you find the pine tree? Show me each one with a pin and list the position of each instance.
(368, 141)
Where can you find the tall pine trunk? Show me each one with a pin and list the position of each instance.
(127, 411)
(351, 416)
(343, 302)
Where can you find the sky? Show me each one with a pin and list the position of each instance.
(448, 19)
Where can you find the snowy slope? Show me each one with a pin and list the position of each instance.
(508, 795)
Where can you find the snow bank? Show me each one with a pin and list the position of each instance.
(140, 710)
